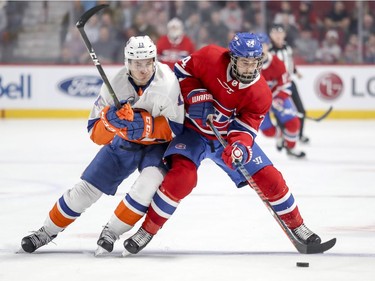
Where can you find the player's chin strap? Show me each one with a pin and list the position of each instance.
(301, 248)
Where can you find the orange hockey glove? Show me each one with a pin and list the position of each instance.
(138, 124)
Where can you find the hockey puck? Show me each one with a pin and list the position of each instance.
(302, 264)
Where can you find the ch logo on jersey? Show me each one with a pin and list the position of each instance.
(258, 160)
(180, 146)
(222, 115)
(225, 86)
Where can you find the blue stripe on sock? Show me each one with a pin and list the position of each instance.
(135, 204)
(66, 209)
(164, 206)
(285, 205)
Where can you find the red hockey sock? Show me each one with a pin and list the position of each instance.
(177, 184)
(272, 184)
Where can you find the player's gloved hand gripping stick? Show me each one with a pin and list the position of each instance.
(128, 124)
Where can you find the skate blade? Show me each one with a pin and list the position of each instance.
(21, 251)
(125, 253)
(100, 252)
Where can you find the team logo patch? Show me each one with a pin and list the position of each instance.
(250, 43)
(180, 146)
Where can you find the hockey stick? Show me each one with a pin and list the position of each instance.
(81, 27)
(301, 247)
(320, 118)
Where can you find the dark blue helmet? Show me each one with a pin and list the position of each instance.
(248, 46)
(263, 38)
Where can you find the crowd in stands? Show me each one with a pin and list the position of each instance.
(319, 31)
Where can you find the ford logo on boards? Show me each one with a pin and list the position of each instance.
(81, 86)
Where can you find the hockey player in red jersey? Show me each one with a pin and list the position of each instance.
(175, 45)
(288, 125)
(284, 52)
(225, 85)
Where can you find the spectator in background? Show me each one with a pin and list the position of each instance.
(306, 17)
(141, 26)
(107, 48)
(107, 20)
(3, 18)
(306, 46)
(368, 26)
(254, 20)
(338, 17)
(175, 45)
(205, 10)
(232, 16)
(285, 15)
(204, 38)
(92, 28)
(217, 30)
(330, 51)
(369, 52)
(126, 14)
(73, 49)
(3, 25)
(65, 56)
(183, 9)
(158, 17)
(287, 19)
(258, 24)
(192, 27)
(351, 50)
(14, 12)
(291, 30)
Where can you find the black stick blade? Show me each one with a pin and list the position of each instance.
(321, 117)
(317, 248)
(88, 14)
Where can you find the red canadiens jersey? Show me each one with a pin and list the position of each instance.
(277, 77)
(169, 53)
(238, 107)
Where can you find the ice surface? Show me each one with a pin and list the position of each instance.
(218, 233)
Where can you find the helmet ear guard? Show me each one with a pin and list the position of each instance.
(246, 45)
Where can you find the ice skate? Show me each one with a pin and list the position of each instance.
(279, 143)
(106, 241)
(295, 152)
(137, 242)
(304, 139)
(305, 235)
(36, 240)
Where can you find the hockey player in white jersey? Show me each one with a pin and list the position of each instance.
(134, 137)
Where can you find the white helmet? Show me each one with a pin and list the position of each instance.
(175, 30)
(139, 48)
